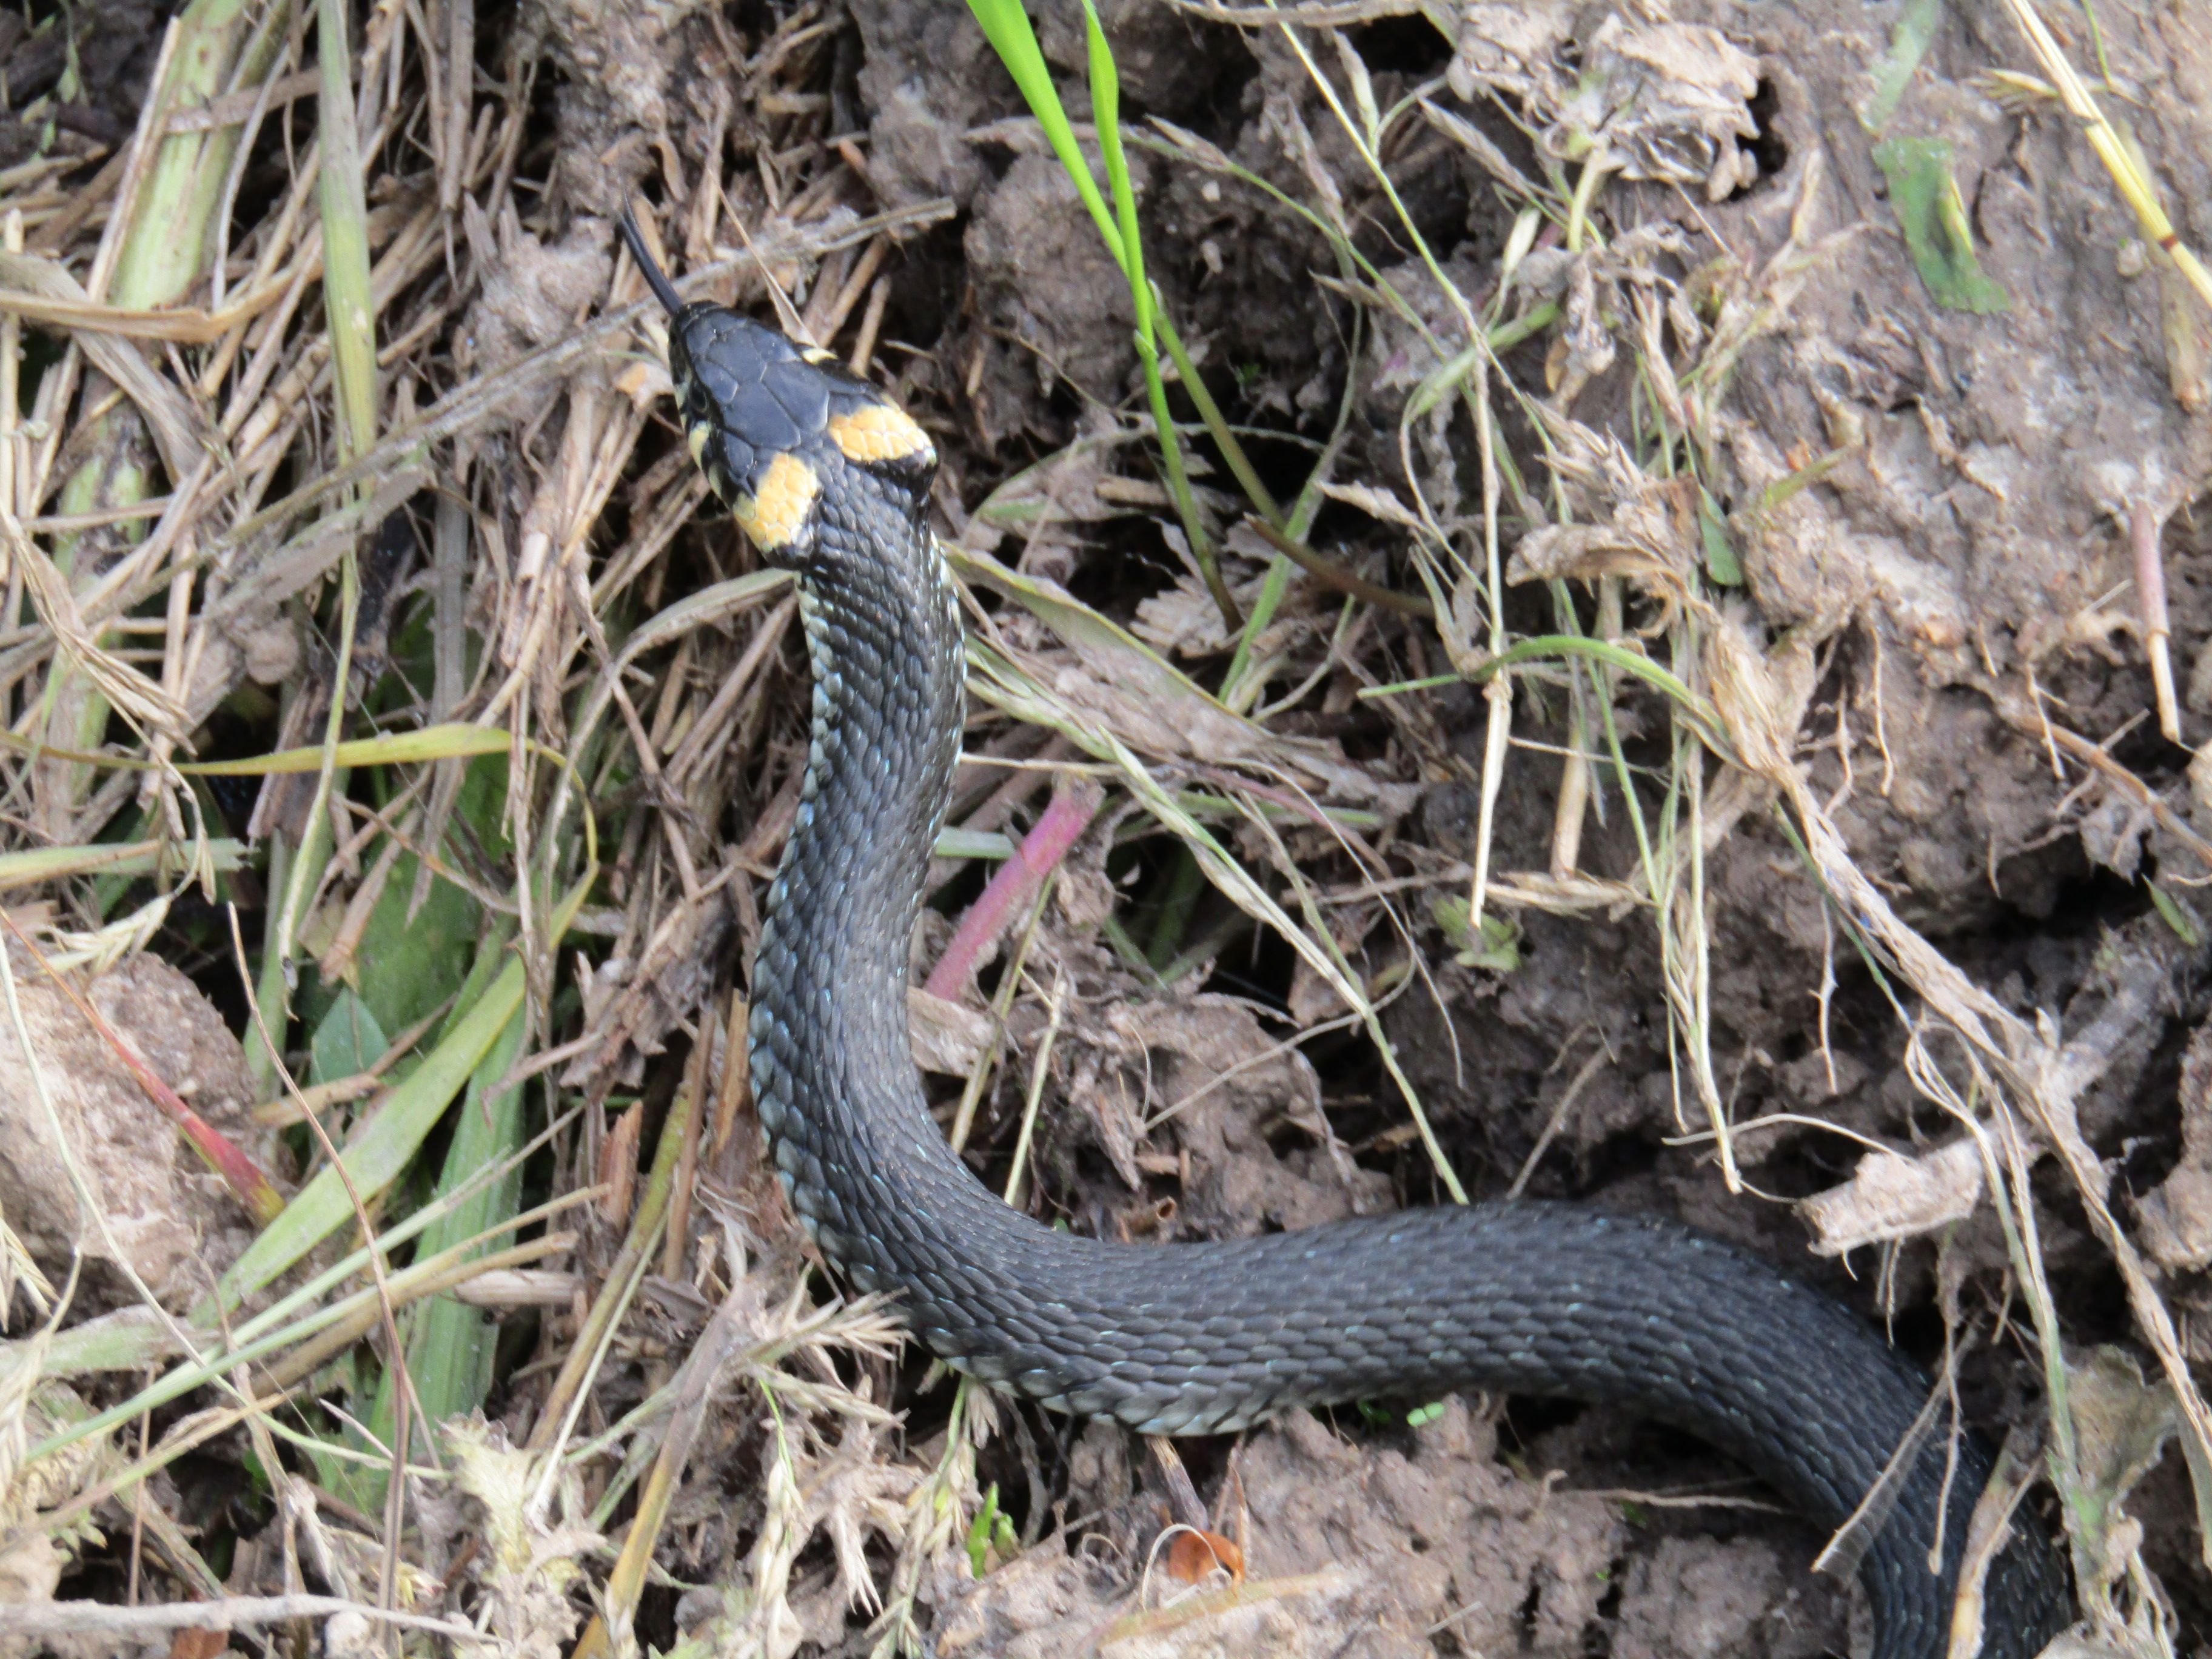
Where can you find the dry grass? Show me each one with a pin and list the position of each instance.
(514, 762)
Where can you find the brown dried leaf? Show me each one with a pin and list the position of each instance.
(1666, 101)
(947, 1037)
(2121, 1427)
(1196, 1555)
(1183, 620)
(2177, 1214)
(1105, 1101)
(1150, 706)
(1893, 1197)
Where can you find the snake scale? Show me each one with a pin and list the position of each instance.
(829, 479)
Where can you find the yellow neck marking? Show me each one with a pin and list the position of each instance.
(880, 433)
(774, 514)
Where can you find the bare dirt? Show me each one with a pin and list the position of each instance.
(1931, 510)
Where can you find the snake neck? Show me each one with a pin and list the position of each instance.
(829, 479)
(883, 640)
(829, 1025)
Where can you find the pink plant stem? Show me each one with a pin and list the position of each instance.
(1010, 891)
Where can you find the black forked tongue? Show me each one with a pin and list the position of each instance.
(663, 289)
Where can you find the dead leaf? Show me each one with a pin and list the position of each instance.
(2177, 1214)
(1194, 1555)
(1151, 706)
(199, 1644)
(1893, 1197)
(1313, 999)
(947, 1037)
(2121, 1426)
(1104, 1099)
(1666, 101)
(618, 1164)
(1375, 503)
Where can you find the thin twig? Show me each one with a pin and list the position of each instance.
(1344, 581)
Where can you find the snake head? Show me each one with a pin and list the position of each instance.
(768, 419)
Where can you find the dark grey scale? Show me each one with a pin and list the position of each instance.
(1633, 1311)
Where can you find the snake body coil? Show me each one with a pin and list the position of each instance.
(829, 479)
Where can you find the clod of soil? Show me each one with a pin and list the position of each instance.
(162, 1216)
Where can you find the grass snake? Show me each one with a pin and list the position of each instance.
(829, 479)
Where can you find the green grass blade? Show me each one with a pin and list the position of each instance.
(1006, 26)
(344, 208)
(429, 743)
(1217, 423)
(1106, 115)
(452, 1344)
(1924, 195)
(383, 1147)
(131, 858)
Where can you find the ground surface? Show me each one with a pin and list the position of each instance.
(1934, 865)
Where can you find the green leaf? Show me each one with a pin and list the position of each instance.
(1721, 565)
(451, 1354)
(1908, 45)
(380, 1149)
(403, 969)
(1933, 215)
(980, 1532)
(1495, 945)
(2177, 916)
(451, 1345)
(348, 1040)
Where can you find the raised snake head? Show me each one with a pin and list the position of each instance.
(768, 419)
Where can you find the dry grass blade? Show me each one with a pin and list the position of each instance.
(144, 703)
(179, 433)
(2134, 187)
(101, 1619)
